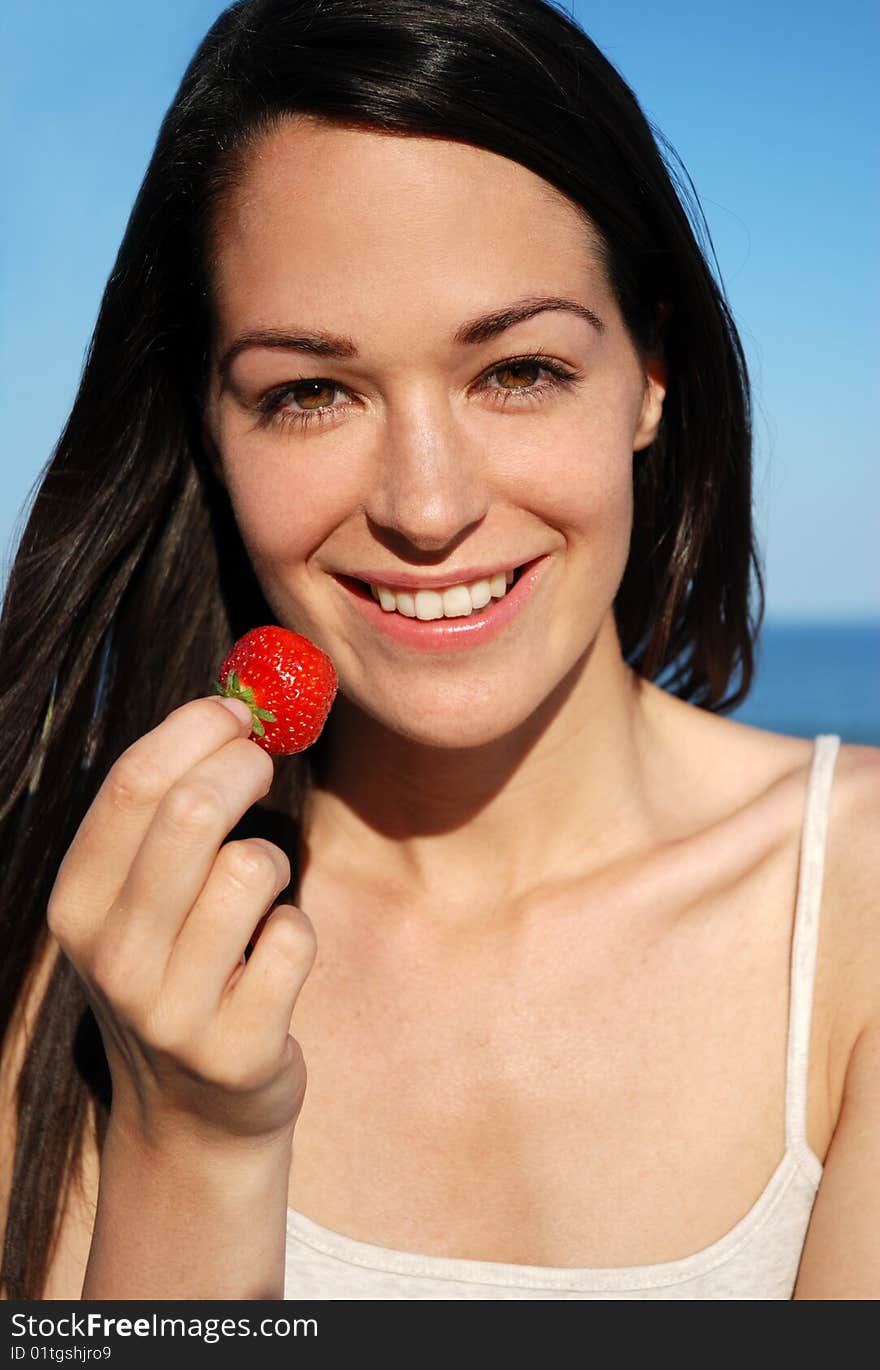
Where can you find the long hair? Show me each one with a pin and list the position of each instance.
(131, 581)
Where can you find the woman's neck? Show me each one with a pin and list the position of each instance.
(569, 791)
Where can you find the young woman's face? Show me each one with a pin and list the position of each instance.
(377, 424)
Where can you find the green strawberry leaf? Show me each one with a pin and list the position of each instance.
(235, 690)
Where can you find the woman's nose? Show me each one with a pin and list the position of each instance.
(428, 484)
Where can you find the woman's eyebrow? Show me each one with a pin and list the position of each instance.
(472, 332)
(490, 325)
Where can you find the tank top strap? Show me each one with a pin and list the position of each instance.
(805, 942)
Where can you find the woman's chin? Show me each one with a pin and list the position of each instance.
(449, 723)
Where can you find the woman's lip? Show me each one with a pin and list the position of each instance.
(448, 634)
(399, 580)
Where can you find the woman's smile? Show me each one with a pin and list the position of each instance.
(437, 619)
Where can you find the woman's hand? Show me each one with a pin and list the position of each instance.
(155, 916)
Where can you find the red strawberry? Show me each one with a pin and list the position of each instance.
(288, 683)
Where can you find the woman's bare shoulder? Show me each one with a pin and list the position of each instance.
(849, 925)
(733, 767)
(710, 768)
(852, 876)
(778, 763)
(776, 769)
(740, 763)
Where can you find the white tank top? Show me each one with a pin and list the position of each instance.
(756, 1259)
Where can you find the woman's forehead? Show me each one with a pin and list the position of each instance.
(325, 193)
(346, 214)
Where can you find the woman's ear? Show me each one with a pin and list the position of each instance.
(652, 403)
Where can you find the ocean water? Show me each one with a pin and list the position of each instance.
(817, 677)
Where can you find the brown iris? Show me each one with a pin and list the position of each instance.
(515, 369)
(313, 386)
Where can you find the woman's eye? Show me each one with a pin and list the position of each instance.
(310, 400)
(307, 395)
(300, 402)
(519, 372)
(524, 373)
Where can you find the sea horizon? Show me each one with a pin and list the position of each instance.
(817, 675)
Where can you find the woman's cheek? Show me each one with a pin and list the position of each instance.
(285, 507)
(585, 491)
(604, 534)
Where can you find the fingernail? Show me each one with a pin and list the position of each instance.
(238, 708)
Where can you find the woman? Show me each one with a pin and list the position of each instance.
(408, 303)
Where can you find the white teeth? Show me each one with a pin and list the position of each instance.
(481, 593)
(456, 601)
(428, 604)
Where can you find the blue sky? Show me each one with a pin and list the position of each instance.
(770, 105)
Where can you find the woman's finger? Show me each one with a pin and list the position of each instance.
(246, 880)
(259, 1006)
(178, 852)
(100, 857)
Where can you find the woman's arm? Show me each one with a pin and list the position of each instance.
(154, 912)
(184, 1221)
(841, 1257)
(161, 1225)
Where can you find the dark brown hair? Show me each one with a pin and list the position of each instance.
(130, 581)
